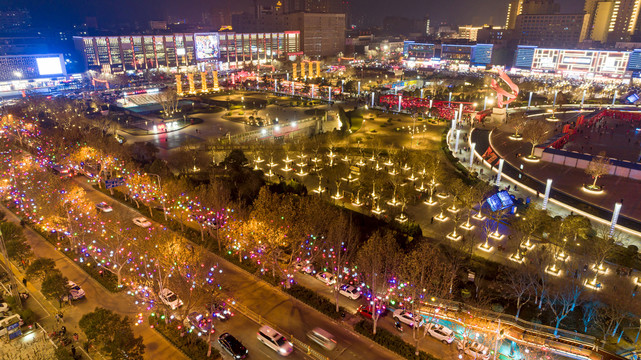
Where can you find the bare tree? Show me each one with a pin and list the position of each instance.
(516, 282)
(340, 244)
(518, 123)
(535, 133)
(168, 99)
(377, 259)
(563, 299)
(599, 166)
(423, 278)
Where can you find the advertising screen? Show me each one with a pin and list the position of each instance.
(49, 66)
(206, 46)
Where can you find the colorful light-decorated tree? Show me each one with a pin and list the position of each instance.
(377, 261)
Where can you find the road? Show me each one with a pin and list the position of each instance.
(290, 316)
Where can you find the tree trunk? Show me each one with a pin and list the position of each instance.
(532, 152)
(595, 179)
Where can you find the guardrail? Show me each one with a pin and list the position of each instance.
(257, 318)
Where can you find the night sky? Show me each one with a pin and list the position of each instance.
(476, 12)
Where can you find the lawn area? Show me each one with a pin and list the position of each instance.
(356, 118)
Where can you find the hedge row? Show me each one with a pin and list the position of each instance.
(316, 301)
(192, 345)
(391, 341)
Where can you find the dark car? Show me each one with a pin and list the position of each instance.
(234, 347)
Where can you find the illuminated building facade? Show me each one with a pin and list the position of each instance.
(223, 51)
(591, 64)
(430, 55)
(611, 21)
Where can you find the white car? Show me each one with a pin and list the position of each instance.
(275, 341)
(474, 349)
(4, 307)
(349, 291)
(307, 268)
(326, 277)
(75, 291)
(142, 222)
(170, 299)
(441, 333)
(403, 316)
(104, 207)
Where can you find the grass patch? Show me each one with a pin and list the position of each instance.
(189, 343)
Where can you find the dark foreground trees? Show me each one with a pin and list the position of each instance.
(113, 334)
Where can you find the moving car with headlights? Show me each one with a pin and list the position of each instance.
(441, 333)
(349, 291)
(275, 341)
(104, 207)
(322, 338)
(142, 222)
(234, 347)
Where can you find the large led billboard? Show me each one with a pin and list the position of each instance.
(207, 46)
(49, 66)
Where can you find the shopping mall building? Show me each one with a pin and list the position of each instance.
(219, 51)
(577, 63)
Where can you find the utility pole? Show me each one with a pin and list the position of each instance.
(14, 283)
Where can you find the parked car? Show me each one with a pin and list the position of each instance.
(307, 268)
(366, 311)
(104, 207)
(322, 338)
(275, 341)
(349, 291)
(405, 317)
(142, 222)
(199, 322)
(75, 291)
(170, 299)
(474, 349)
(326, 277)
(234, 347)
(220, 311)
(4, 307)
(441, 333)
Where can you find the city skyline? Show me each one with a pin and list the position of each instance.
(373, 11)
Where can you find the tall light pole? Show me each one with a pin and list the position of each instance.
(164, 210)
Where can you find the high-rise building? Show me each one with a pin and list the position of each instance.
(514, 9)
(611, 21)
(529, 7)
(427, 24)
(551, 30)
(13, 21)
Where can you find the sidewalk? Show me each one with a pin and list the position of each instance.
(157, 347)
